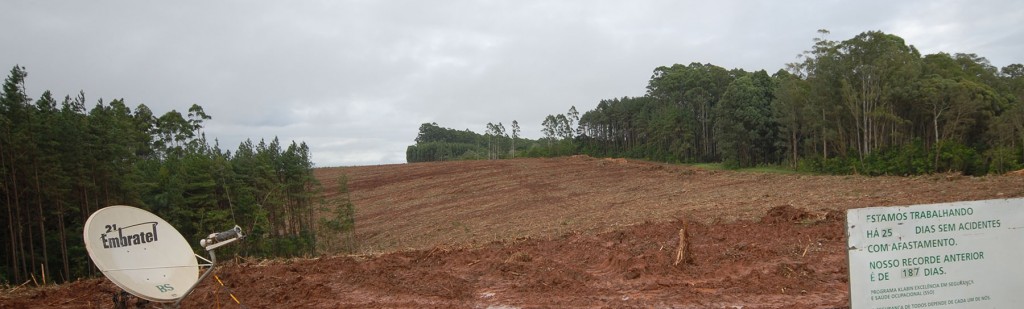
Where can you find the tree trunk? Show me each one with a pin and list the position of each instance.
(85, 216)
(20, 228)
(11, 221)
(824, 138)
(42, 223)
(793, 139)
(63, 241)
(935, 124)
(18, 221)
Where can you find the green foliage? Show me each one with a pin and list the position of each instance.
(59, 162)
(442, 151)
(435, 143)
(1004, 159)
(745, 128)
(871, 104)
(957, 157)
(911, 159)
(340, 224)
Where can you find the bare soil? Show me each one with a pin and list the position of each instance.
(569, 232)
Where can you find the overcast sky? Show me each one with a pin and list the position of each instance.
(355, 79)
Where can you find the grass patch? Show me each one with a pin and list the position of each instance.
(771, 170)
(710, 166)
(767, 169)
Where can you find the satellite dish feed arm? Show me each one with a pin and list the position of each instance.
(214, 241)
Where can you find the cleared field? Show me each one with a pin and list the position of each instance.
(571, 232)
(417, 206)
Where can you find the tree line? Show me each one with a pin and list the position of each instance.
(436, 143)
(61, 161)
(871, 104)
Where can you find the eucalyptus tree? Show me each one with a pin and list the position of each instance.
(495, 135)
(515, 135)
(573, 117)
(694, 89)
(744, 125)
(792, 109)
(876, 65)
(550, 128)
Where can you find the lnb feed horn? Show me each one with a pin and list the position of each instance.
(217, 240)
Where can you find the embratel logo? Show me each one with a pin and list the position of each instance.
(138, 234)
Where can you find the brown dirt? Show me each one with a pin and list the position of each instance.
(570, 232)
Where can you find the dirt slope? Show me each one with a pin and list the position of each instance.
(465, 203)
(570, 232)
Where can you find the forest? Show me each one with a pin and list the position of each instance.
(61, 161)
(436, 143)
(869, 105)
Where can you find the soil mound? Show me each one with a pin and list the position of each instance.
(739, 264)
(786, 214)
(835, 216)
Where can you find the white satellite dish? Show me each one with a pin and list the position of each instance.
(146, 256)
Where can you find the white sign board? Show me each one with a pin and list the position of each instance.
(954, 255)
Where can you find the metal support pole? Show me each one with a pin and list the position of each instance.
(211, 243)
(213, 263)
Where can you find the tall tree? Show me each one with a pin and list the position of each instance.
(878, 64)
(61, 162)
(745, 124)
(573, 117)
(550, 128)
(515, 135)
(14, 139)
(792, 109)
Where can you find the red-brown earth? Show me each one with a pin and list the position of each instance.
(569, 232)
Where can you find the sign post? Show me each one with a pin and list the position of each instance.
(953, 255)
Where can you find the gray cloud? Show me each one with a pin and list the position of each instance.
(355, 79)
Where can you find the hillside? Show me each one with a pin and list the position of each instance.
(415, 206)
(570, 232)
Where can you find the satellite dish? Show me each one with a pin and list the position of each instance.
(145, 255)
(141, 253)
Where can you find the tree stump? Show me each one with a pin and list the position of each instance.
(683, 255)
